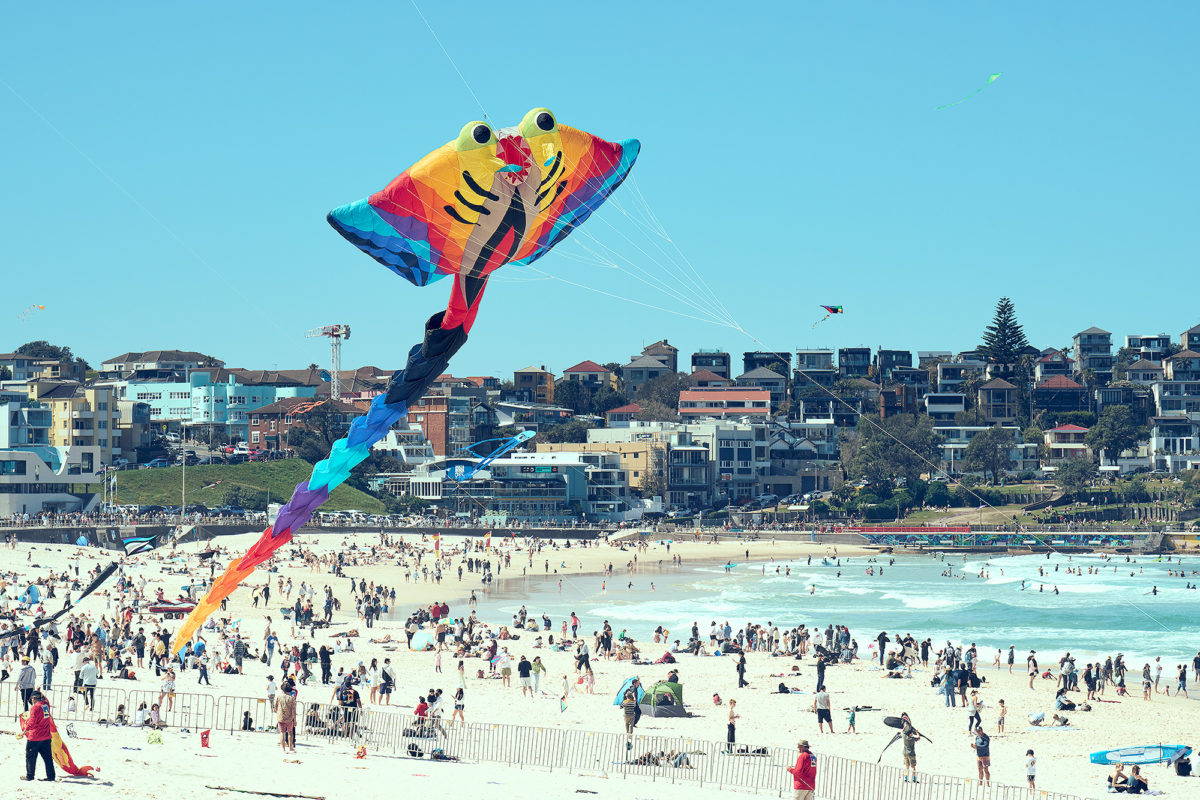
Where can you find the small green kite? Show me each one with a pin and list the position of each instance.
(972, 94)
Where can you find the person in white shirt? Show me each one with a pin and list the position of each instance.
(1030, 768)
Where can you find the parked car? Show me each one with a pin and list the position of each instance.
(158, 462)
(237, 458)
(187, 459)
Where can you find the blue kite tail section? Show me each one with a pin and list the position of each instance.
(425, 362)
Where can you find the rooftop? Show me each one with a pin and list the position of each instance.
(586, 366)
(707, 375)
(1059, 382)
(631, 408)
(997, 383)
(1094, 330)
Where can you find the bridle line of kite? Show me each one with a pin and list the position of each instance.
(446, 53)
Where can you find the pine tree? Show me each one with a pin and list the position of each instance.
(1004, 339)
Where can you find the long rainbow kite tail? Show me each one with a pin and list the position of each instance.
(425, 362)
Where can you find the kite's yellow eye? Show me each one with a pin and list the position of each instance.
(475, 135)
(538, 122)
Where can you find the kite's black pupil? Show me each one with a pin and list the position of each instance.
(545, 121)
(481, 134)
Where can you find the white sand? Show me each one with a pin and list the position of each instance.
(767, 718)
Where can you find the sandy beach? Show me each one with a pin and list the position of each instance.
(767, 717)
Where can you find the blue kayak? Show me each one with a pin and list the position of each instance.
(1151, 754)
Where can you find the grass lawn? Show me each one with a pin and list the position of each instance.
(275, 480)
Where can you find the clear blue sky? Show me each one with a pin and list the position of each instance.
(793, 151)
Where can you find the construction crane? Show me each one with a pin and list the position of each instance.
(336, 334)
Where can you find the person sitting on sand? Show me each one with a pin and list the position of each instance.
(1062, 702)
(1118, 781)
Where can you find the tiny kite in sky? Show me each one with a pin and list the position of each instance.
(29, 311)
(829, 312)
(990, 81)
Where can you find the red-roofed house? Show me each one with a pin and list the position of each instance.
(590, 374)
(1066, 442)
(1059, 393)
(706, 378)
(724, 403)
(621, 416)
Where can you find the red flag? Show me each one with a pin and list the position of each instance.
(437, 545)
(487, 541)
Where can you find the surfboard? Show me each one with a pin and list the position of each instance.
(1150, 754)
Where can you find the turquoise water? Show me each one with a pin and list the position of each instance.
(1094, 615)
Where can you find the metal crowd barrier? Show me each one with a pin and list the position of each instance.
(182, 710)
(674, 759)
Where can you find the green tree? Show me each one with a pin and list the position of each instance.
(1004, 339)
(606, 399)
(574, 395)
(1114, 432)
(898, 447)
(574, 430)
(1074, 475)
(655, 411)
(43, 349)
(1125, 356)
(664, 389)
(988, 452)
(5, 374)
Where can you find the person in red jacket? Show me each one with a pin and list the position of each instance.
(804, 774)
(36, 726)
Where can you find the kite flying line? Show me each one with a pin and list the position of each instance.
(972, 94)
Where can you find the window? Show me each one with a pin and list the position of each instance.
(102, 406)
(254, 419)
(102, 442)
(272, 425)
(254, 437)
(102, 424)
(179, 395)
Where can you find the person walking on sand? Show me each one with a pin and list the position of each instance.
(1032, 666)
(909, 737)
(983, 755)
(285, 715)
(741, 670)
(1000, 718)
(731, 731)
(35, 725)
(804, 773)
(821, 707)
(1031, 769)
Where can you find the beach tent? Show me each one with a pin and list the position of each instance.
(81, 541)
(422, 640)
(665, 699)
(641, 693)
(31, 595)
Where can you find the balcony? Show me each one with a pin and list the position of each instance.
(82, 415)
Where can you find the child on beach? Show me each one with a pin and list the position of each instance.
(1030, 768)
(1000, 719)
(850, 727)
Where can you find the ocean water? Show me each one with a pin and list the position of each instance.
(1093, 615)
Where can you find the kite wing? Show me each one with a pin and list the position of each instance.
(486, 199)
(139, 544)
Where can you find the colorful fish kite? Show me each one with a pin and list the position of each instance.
(829, 312)
(486, 199)
(972, 94)
(461, 469)
(29, 311)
